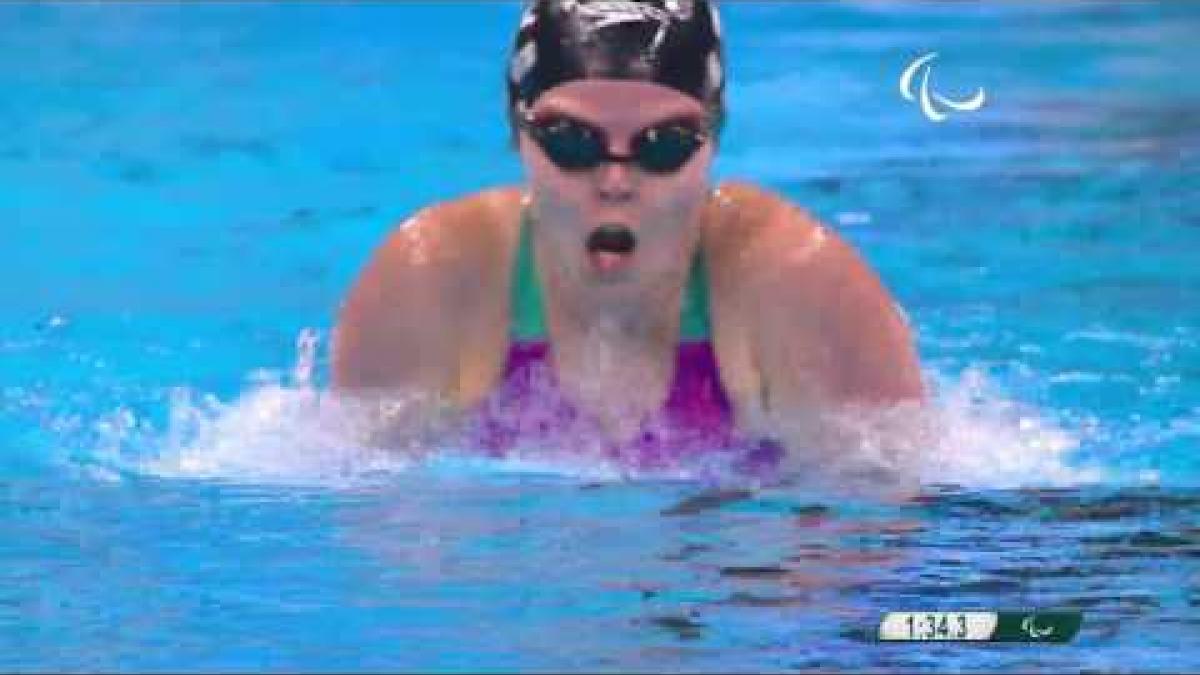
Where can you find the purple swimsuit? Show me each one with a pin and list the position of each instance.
(694, 426)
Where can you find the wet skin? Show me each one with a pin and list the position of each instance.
(800, 324)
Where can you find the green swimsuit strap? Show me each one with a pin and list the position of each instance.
(528, 318)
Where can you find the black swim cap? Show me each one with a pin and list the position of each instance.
(675, 43)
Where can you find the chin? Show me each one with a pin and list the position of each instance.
(625, 281)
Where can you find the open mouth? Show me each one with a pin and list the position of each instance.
(611, 239)
(610, 247)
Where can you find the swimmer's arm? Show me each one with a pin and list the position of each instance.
(805, 325)
(396, 328)
(396, 345)
(814, 353)
(429, 306)
(830, 333)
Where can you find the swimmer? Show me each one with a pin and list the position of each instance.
(647, 291)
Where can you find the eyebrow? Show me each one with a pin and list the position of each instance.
(554, 109)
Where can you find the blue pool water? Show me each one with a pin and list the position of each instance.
(187, 191)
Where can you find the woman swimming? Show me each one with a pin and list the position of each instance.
(651, 307)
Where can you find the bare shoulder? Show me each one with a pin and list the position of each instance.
(790, 283)
(423, 287)
(756, 239)
(446, 234)
(448, 245)
(758, 234)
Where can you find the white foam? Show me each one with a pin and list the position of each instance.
(986, 440)
(271, 434)
(295, 433)
(275, 432)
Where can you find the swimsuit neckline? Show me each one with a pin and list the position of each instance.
(528, 319)
(696, 418)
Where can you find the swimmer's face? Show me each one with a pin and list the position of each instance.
(661, 209)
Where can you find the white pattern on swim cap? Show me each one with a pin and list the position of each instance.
(716, 20)
(523, 62)
(715, 73)
(529, 17)
(602, 13)
(682, 9)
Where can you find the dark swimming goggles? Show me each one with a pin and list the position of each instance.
(573, 145)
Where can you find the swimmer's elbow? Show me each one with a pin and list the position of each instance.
(878, 361)
(879, 364)
(350, 369)
(345, 373)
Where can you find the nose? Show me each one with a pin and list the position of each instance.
(614, 181)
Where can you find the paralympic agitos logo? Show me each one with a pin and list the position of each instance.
(932, 103)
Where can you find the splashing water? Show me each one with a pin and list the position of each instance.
(987, 440)
(294, 433)
(275, 432)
